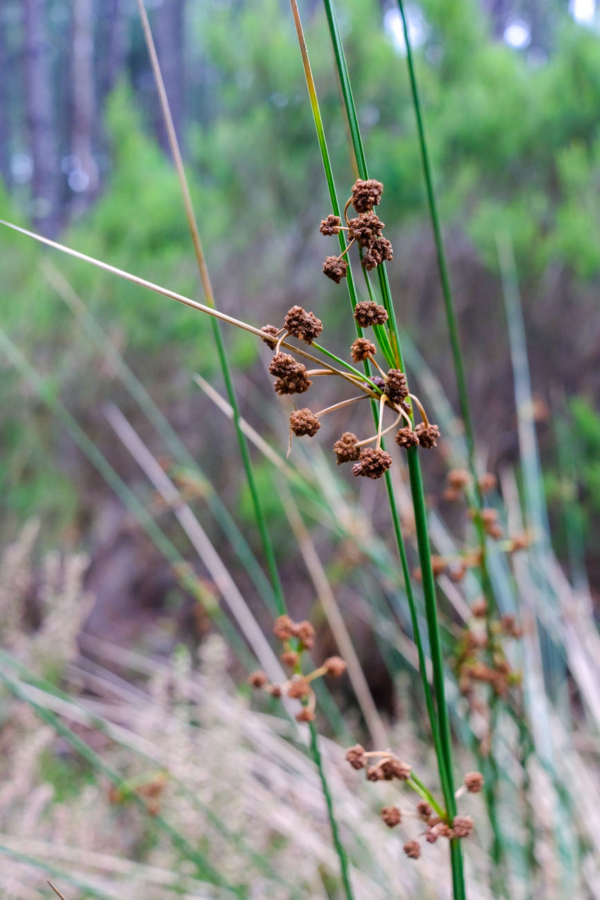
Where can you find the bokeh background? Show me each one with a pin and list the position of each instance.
(511, 94)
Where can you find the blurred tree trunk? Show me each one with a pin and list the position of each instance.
(84, 178)
(4, 102)
(113, 43)
(39, 117)
(168, 31)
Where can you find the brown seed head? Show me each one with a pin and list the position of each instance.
(374, 773)
(270, 330)
(298, 688)
(334, 666)
(283, 628)
(406, 437)
(331, 225)
(394, 768)
(462, 826)
(365, 229)
(391, 815)
(412, 849)
(474, 782)
(487, 482)
(458, 479)
(303, 325)
(283, 365)
(362, 349)
(431, 835)
(335, 268)
(289, 658)
(396, 386)
(366, 194)
(305, 634)
(479, 608)
(305, 715)
(356, 756)
(367, 313)
(275, 690)
(297, 383)
(258, 679)
(380, 250)
(345, 449)
(428, 435)
(424, 809)
(372, 463)
(304, 422)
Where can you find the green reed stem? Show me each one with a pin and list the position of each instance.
(418, 495)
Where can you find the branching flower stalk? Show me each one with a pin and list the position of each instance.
(416, 484)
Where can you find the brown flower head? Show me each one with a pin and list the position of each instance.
(275, 690)
(458, 479)
(270, 330)
(378, 251)
(431, 835)
(283, 365)
(473, 782)
(356, 756)
(396, 386)
(258, 679)
(424, 809)
(406, 437)
(345, 449)
(487, 482)
(283, 628)
(335, 268)
(374, 773)
(428, 435)
(303, 421)
(362, 349)
(296, 382)
(305, 634)
(367, 313)
(289, 658)
(365, 229)
(302, 325)
(462, 826)
(391, 815)
(372, 463)
(412, 849)
(479, 608)
(305, 715)
(334, 666)
(394, 768)
(331, 225)
(366, 194)
(298, 688)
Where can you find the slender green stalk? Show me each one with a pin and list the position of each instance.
(417, 490)
(389, 486)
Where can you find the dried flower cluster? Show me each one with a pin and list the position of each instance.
(480, 654)
(383, 765)
(297, 637)
(365, 229)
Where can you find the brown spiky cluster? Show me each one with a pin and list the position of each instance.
(362, 349)
(480, 657)
(331, 225)
(383, 765)
(427, 435)
(299, 686)
(368, 313)
(302, 325)
(291, 375)
(365, 229)
(372, 463)
(366, 194)
(270, 330)
(346, 449)
(304, 422)
(406, 437)
(335, 268)
(396, 385)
